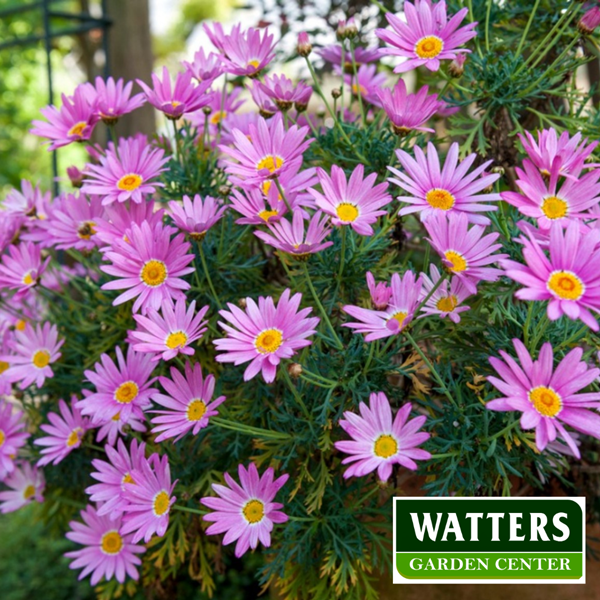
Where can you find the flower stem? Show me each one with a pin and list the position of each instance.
(431, 292)
(282, 194)
(295, 393)
(360, 99)
(207, 275)
(503, 431)
(195, 511)
(248, 430)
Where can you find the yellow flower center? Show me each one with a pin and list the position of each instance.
(111, 542)
(270, 162)
(346, 212)
(546, 401)
(130, 182)
(29, 492)
(160, 505)
(86, 230)
(358, 89)
(175, 103)
(265, 215)
(127, 478)
(28, 279)
(399, 316)
(195, 410)
(41, 359)
(554, 207)
(2, 438)
(447, 304)
(154, 273)
(254, 511)
(566, 285)
(441, 199)
(253, 63)
(177, 339)
(458, 261)
(3, 367)
(21, 324)
(217, 117)
(116, 417)
(429, 47)
(268, 341)
(78, 128)
(127, 392)
(74, 437)
(385, 446)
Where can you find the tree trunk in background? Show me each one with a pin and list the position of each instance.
(130, 57)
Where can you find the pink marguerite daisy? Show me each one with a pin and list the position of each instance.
(435, 189)
(196, 216)
(26, 484)
(189, 403)
(171, 333)
(26, 201)
(107, 552)
(22, 268)
(112, 99)
(447, 300)
(380, 292)
(204, 67)
(333, 54)
(248, 52)
(246, 512)
(149, 266)
(119, 425)
(12, 437)
(355, 201)
(368, 83)
(378, 441)
(264, 334)
(65, 433)
(284, 92)
(546, 396)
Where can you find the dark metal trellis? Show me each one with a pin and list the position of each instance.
(79, 22)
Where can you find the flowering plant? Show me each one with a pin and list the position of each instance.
(262, 324)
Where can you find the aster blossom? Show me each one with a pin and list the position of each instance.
(26, 483)
(149, 266)
(293, 239)
(380, 292)
(148, 499)
(283, 91)
(119, 425)
(26, 201)
(171, 332)
(355, 201)
(245, 511)
(432, 188)
(196, 216)
(264, 333)
(12, 437)
(107, 553)
(569, 277)
(121, 388)
(334, 52)
(378, 441)
(378, 324)
(128, 174)
(187, 405)
(367, 83)
(466, 252)
(546, 396)
(427, 37)
(65, 433)
(204, 67)
(447, 300)
(247, 53)
(22, 268)
(112, 99)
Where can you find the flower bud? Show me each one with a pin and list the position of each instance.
(295, 370)
(341, 30)
(336, 93)
(457, 66)
(351, 30)
(304, 46)
(76, 176)
(589, 21)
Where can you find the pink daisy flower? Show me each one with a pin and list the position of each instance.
(178, 100)
(12, 437)
(264, 334)
(447, 300)
(378, 324)
(22, 268)
(378, 442)
(380, 292)
(223, 106)
(266, 107)
(148, 499)
(73, 221)
(547, 396)
(333, 54)
(113, 475)
(355, 202)
(26, 484)
(113, 99)
(270, 151)
(126, 174)
(118, 426)
(569, 278)
(409, 112)
(35, 349)
(25, 202)
(73, 122)
(567, 151)
(189, 403)
(248, 52)
(121, 388)
(465, 252)
(150, 267)
(107, 552)
(284, 92)
(6, 337)
(196, 216)
(172, 333)
(246, 511)
(65, 433)
(433, 189)
(427, 36)
(256, 208)
(204, 67)
(10, 227)
(548, 202)
(291, 237)
(367, 82)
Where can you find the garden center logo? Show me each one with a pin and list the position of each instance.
(489, 540)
